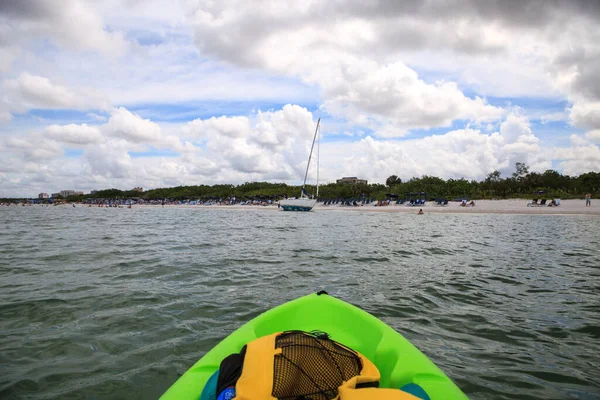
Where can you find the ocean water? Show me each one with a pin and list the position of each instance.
(106, 303)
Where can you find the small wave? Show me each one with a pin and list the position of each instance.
(371, 259)
(438, 251)
(504, 280)
(591, 330)
(403, 253)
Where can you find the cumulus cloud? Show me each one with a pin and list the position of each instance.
(7, 55)
(394, 94)
(496, 47)
(37, 91)
(246, 156)
(340, 56)
(127, 125)
(384, 68)
(240, 32)
(232, 127)
(73, 24)
(110, 160)
(585, 114)
(269, 141)
(33, 148)
(553, 117)
(75, 134)
(30, 91)
(593, 136)
(581, 157)
(122, 124)
(5, 116)
(468, 153)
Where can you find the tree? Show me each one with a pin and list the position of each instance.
(493, 177)
(521, 170)
(393, 180)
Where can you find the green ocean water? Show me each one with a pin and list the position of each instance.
(108, 303)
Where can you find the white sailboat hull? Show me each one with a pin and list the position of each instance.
(304, 203)
(298, 204)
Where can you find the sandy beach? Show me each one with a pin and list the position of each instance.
(512, 206)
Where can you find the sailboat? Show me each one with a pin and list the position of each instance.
(304, 203)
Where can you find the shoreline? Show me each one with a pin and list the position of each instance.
(511, 206)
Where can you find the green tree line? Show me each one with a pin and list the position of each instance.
(521, 184)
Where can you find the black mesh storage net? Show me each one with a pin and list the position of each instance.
(311, 366)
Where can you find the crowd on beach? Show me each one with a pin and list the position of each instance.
(171, 202)
(340, 202)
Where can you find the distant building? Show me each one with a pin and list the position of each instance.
(54, 195)
(352, 180)
(43, 196)
(137, 189)
(67, 193)
(93, 192)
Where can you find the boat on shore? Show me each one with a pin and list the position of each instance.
(304, 202)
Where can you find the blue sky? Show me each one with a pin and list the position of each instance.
(159, 93)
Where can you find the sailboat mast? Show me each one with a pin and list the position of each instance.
(318, 158)
(310, 155)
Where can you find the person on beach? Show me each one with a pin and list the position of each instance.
(420, 212)
(588, 200)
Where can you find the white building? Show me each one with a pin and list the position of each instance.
(43, 196)
(67, 193)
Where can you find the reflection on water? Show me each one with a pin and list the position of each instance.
(117, 303)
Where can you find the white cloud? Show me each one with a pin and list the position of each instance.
(394, 94)
(274, 146)
(37, 91)
(585, 114)
(5, 116)
(334, 53)
(232, 127)
(30, 91)
(577, 140)
(7, 56)
(110, 160)
(593, 136)
(127, 125)
(553, 117)
(516, 128)
(271, 141)
(382, 67)
(123, 124)
(33, 148)
(97, 117)
(73, 24)
(75, 134)
(502, 49)
(582, 157)
(468, 153)
(284, 128)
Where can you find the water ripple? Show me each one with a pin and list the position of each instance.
(117, 303)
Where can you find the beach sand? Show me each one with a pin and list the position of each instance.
(512, 206)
